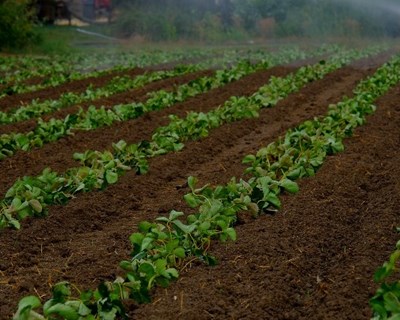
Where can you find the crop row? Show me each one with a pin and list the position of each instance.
(67, 68)
(123, 83)
(71, 67)
(116, 85)
(386, 301)
(30, 195)
(93, 118)
(44, 65)
(160, 247)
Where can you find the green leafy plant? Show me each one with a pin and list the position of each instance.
(116, 85)
(386, 301)
(93, 118)
(16, 33)
(159, 248)
(100, 169)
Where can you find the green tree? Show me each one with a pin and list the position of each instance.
(171, 19)
(16, 25)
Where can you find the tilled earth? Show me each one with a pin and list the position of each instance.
(314, 259)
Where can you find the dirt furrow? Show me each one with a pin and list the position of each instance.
(315, 259)
(90, 233)
(58, 155)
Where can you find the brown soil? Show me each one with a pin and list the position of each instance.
(312, 260)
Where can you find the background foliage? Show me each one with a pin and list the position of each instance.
(215, 19)
(16, 24)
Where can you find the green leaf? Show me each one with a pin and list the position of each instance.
(392, 302)
(120, 145)
(14, 223)
(163, 282)
(126, 265)
(185, 228)
(80, 187)
(231, 233)
(173, 215)
(222, 224)
(381, 274)
(210, 260)
(145, 226)
(249, 159)
(162, 219)
(215, 207)
(253, 207)
(86, 295)
(84, 310)
(289, 185)
(49, 303)
(78, 156)
(22, 214)
(147, 269)
(16, 203)
(136, 238)
(111, 177)
(61, 291)
(180, 253)
(25, 306)
(22, 141)
(265, 183)
(173, 273)
(274, 200)
(108, 315)
(10, 193)
(64, 311)
(161, 265)
(395, 317)
(110, 165)
(338, 146)
(191, 200)
(146, 243)
(192, 181)
(378, 308)
(172, 244)
(35, 204)
(205, 226)
(294, 174)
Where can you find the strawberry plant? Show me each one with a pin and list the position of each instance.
(116, 85)
(60, 69)
(159, 248)
(93, 118)
(386, 301)
(101, 169)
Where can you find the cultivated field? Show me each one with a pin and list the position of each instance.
(297, 150)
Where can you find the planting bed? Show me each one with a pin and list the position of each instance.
(313, 259)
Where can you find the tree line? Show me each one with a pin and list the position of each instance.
(218, 20)
(198, 19)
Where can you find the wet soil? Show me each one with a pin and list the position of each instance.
(314, 259)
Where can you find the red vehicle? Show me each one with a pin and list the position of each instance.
(102, 7)
(103, 4)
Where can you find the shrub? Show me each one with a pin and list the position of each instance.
(16, 24)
